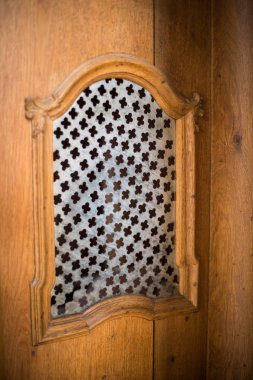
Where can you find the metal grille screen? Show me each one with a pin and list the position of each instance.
(114, 198)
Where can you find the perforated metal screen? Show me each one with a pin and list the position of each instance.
(114, 198)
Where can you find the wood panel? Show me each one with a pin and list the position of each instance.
(182, 50)
(178, 347)
(119, 349)
(41, 42)
(231, 265)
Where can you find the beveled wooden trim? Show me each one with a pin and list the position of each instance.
(115, 66)
(42, 113)
(185, 208)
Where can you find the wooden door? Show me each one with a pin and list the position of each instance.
(41, 43)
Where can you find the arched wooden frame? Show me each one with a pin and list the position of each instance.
(42, 113)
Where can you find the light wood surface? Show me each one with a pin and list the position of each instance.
(182, 49)
(41, 42)
(118, 349)
(231, 259)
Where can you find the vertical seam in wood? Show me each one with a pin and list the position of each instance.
(153, 364)
(154, 23)
(211, 187)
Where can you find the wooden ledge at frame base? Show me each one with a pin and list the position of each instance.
(42, 113)
(116, 307)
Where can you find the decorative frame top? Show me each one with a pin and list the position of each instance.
(42, 113)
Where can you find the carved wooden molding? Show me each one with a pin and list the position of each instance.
(42, 113)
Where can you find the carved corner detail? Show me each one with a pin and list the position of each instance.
(38, 116)
(197, 101)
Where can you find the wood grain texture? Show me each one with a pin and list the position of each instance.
(118, 349)
(178, 353)
(231, 264)
(182, 50)
(41, 42)
(186, 259)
